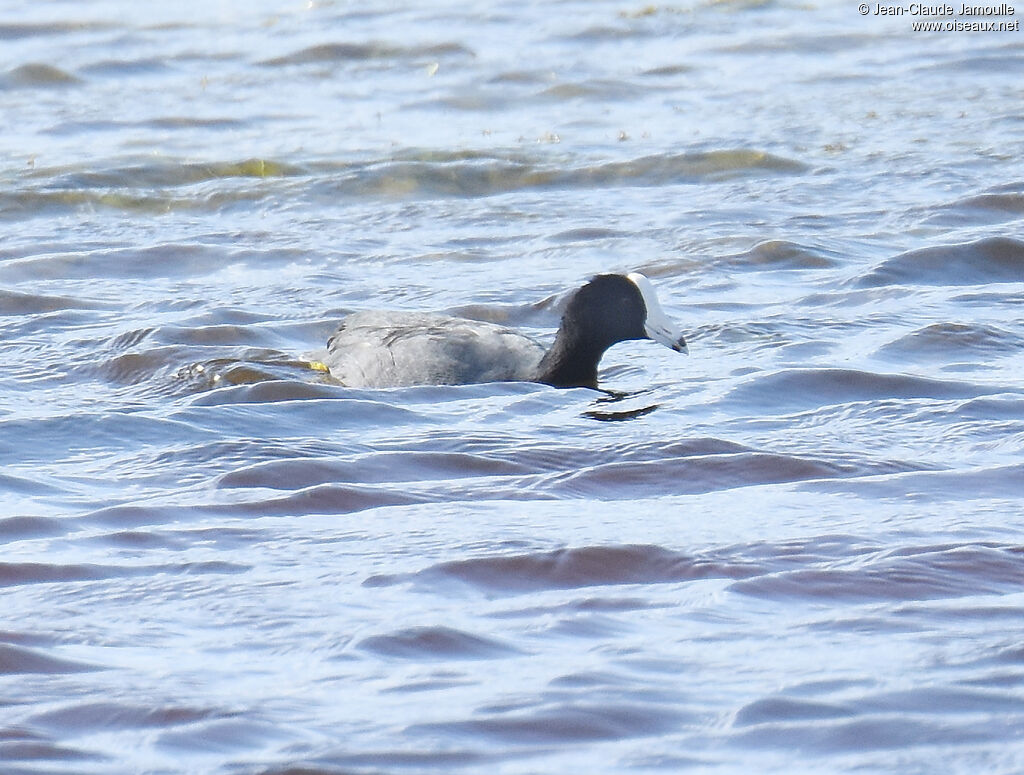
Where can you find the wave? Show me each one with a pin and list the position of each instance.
(989, 260)
(804, 389)
(22, 30)
(781, 255)
(362, 52)
(35, 76)
(92, 716)
(945, 341)
(564, 723)
(996, 206)
(19, 573)
(20, 528)
(572, 569)
(172, 185)
(904, 574)
(486, 174)
(431, 643)
(17, 660)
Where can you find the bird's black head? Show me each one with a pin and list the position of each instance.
(610, 308)
(607, 310)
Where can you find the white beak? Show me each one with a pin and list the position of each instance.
(658, 326)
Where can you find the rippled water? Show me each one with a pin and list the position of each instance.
(798, 550)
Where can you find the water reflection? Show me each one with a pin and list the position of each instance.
(613, 397)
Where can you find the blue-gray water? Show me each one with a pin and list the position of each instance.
(800, 549)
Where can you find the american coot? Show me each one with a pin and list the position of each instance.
(394, 349)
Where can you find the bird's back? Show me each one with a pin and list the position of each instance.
(397, 349)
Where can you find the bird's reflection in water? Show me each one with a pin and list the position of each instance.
(614, 397)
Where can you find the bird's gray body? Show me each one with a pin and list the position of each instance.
(395, 349)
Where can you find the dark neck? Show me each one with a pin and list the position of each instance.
(571, 362)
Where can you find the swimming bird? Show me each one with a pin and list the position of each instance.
(375, 349)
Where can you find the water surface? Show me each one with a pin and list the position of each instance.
(799, 549)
